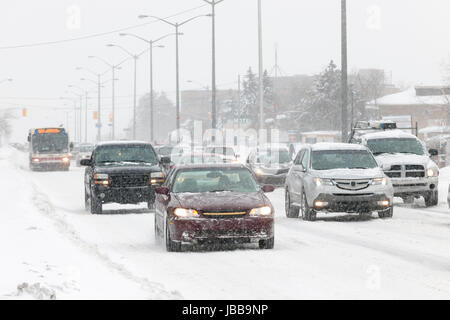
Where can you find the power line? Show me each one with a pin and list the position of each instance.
(96, 35)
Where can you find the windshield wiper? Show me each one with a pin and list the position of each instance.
(214, 191)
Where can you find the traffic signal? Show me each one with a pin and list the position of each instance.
(95, 115)
(24, 112)
(110, 117)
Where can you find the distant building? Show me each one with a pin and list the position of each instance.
(428, 106)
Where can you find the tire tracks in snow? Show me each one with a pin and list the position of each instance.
(45, 207)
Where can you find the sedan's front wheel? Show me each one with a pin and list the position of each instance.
(171, 246)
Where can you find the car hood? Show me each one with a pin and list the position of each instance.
(221, 201)
(352, 174)
(402, 159)
(131, 169)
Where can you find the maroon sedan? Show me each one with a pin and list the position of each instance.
(204, 204)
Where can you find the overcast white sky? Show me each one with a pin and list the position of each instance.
(409, 38)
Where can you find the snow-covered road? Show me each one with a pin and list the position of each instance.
(47, 237)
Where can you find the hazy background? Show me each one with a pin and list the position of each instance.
(409, 38)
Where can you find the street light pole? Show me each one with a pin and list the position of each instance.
(344, 79)
(213, 4)
(113, 70)
(151, 44)
(135, 58)
(261, 75)
(176, 25)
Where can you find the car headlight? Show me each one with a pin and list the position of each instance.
(379, 181)
(323, 182)
(65, 159)
(259, 171)
(185, 213)
(432, 172)
(263, 211)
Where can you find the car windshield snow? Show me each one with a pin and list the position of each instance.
(125, 154)
(215, 180)
(342, 159)
(395, 145)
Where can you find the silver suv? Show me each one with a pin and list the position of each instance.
(337, 178)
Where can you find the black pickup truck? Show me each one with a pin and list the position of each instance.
(122, 172)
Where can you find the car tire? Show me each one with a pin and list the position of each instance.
(86, 201)
(267, 244)
(291, 211)
(308, 214)
(96, 205)
(389, 213)
(171, 246)
(432, 199)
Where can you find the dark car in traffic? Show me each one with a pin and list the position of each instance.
(270, 164)
(206, 204)
(122, 172)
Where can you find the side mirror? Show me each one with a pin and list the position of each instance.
(268, 188)
(86, 162)
(71, 146)
(433, 152)
(162, 190)
(29, 139)
(165, 160)
(237, 156)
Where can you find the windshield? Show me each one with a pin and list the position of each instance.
(342, 159)
(86, 148)
(270, 157)
(125, 154)
(395, 145)
(215, 180)
(221, 150)
(50, 143)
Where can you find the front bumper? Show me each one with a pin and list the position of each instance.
(414, 186)
(351, 203)
(49, 165)
(200, 230)
(125, 195)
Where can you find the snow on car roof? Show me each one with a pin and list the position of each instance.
(398, 134)
(336, 146)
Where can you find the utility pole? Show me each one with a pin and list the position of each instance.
(261, 71)
(213, 4)
(344, 76)
(239, 101)
(86, 119)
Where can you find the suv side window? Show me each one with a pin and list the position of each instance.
(305, 160)
(298, 159)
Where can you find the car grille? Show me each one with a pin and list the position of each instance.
(406, 171)
(224, 214)
(352, 184)
(120, 181)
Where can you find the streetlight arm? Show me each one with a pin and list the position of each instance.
(163, 37)
(125, 50)
(103, 60)
(161, 19)
(136, 36)
(193, 18)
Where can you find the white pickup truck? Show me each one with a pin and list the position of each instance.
(407, 163)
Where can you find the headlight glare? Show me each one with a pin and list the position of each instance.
(263, 211)
(379, 181)
(323, 182)
(185, 213)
